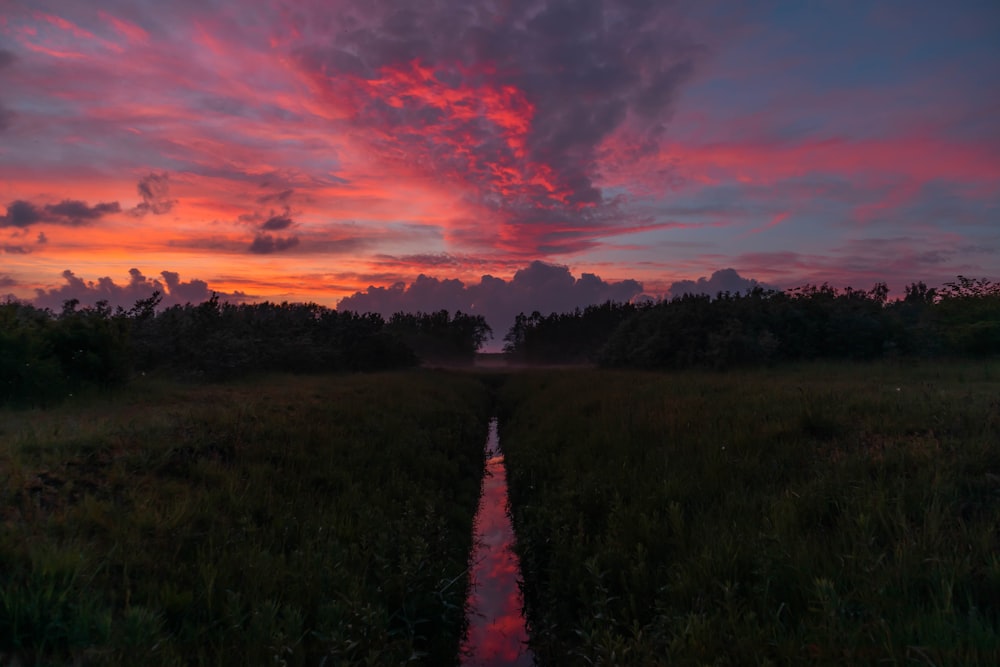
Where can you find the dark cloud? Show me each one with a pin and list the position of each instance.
(71, 212)
(41, 238)
(6, 58)
(277, 223)
(155, 192)
(21, 213)
(265, 244)
(174, 291)
(15, 249)
(543, 287)
(724, 280)
(75, 212)
(268, 219)
(521, 128)
(7, 281)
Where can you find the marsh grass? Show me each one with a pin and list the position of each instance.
(278, 520)
(824, 514)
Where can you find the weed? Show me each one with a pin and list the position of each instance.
(280, 520)
(808, 514)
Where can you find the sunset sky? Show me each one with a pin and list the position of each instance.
(306, 149)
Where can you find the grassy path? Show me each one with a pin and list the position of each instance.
(824, 515)
(280, 521)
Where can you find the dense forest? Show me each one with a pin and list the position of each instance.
(46, 356)
(767, 326)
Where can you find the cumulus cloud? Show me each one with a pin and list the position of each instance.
(154, 189)
(87, 292)
(724, 280)
(265, 244)
(69, 212)
(519, 131)
(544, 287)
(193, 291)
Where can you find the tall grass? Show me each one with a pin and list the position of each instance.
(292, 521)
(825, 514)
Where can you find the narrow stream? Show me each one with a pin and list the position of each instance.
(497, 635)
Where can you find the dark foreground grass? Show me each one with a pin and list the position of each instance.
(285, 521)
(821, 515)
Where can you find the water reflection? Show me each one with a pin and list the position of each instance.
(497, 635)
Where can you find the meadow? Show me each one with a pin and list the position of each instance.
(277, 520)
(821, 514)
(818, 514)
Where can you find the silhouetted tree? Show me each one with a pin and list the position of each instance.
(438, 337)
(767, 326)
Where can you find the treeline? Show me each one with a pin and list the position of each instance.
(46, 356)
(766, 326)
(567, 338)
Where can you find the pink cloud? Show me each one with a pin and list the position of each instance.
(132, 32)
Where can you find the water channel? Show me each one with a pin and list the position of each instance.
(497, 634)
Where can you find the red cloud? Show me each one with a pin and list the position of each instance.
(130, 31)
(466, 131)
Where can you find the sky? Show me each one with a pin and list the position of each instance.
(464, 153)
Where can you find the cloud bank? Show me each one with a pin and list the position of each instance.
(546, 288)
(724, 280)
(174, 291)
(69, 212)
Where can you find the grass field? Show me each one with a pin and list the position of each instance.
(823, 514)
(285, 520)
(816, 515)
